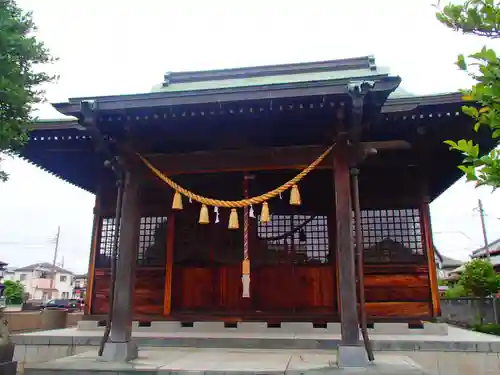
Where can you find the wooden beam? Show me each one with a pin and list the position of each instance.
(273, 158)
(169, 260)
(93, 251)
(238, 160)
(345, 248)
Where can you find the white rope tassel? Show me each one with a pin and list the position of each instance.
(245, 280)
(281, 196)
(251, 213)
(216, 210)
(190, 200)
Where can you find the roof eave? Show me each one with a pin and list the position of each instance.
(56, 125)
(264, 92)
(413, 102)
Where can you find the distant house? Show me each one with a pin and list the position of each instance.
(80, 286)
(38, 281)
(445, 265)
(3, 267)
(9, 273)
(494, 248)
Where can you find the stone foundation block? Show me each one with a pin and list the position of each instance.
(165, 326)
(438, 329)
(333, 328)
(252, 327)
(297, 327)
(88, 325)
(391, 328)
(207, 327)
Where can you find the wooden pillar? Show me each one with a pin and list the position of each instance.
(120, 348)
(425, 222)
(169, 260)
(96, 226)
(345, 249)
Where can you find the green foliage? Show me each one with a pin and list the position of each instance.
(479, 17)
(479, 278)
(455, 291)
(491, 328)
(442, 282)
(14, 292)
(21, 58)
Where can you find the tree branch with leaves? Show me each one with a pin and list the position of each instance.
(22, 58)
(482, 18)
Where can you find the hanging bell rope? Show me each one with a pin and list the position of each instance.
(244, 202)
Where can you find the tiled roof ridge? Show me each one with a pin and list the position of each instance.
(365, 62)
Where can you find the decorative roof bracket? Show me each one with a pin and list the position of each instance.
(88, 119)
(357, 90)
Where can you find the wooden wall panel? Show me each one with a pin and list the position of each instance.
(100, 303)
(274, 288)
(149, 290)
(315, 288)
(380, 294)
(230, 289)
(397, 291)
(398, 310)
(396, 281)
(287, 288)
(193, 288)
(148, 294)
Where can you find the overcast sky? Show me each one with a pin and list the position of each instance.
(119, 47)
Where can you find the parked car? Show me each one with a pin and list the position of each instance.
(69, 304)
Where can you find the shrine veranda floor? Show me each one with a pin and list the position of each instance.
(72, 351)
(457, 339)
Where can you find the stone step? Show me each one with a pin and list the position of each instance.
(229, 362)
(427, 328)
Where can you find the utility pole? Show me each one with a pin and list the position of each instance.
(53, 278)
(488, 255)
(483, 225)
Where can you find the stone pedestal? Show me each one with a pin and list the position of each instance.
(120, 351)
(8, 368)
(352, 356)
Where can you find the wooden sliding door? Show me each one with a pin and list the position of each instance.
(293, 270)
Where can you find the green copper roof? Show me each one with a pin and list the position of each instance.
(400, 92)
(269, 75)
(268, 80)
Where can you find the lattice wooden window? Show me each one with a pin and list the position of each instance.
(152, 240)
(105, 242)
(391, 235)
(295, 239)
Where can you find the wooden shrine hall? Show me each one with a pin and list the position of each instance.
(237, 191)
